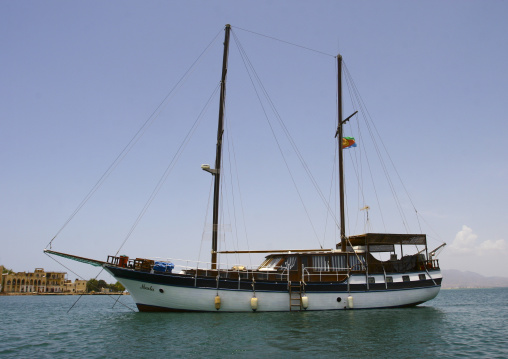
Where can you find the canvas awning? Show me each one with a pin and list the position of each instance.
(387, 238)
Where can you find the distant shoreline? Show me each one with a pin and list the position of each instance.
(486, 287)
(95, 293)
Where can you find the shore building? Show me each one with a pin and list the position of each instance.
(78, 286)
(38, 281)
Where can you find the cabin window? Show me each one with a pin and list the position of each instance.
(243, 275)
(422, 276)
(290, 263)
(372, 280)
(405, 278)
(320, 263)
(262, 276)
(339, 262)
(389, 279)
(270, 263)
(356, 262)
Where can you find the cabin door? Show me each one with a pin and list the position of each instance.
(292, 269)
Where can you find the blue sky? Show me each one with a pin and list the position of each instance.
(78, 79)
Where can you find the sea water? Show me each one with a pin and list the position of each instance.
(458, 323)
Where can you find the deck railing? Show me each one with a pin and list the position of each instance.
(240, 272)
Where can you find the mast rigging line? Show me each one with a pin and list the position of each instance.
(137, 136)
(289, 137)
(357, 155)
(169, 168)
(330, 191)
(117, 300)
(285, 42)
(248, 65)
(371, 130)
(206, 221)
(378, 151)
(231, 149)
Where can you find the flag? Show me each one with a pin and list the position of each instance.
(348, 142)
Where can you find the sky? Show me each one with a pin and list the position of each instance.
(79, 79)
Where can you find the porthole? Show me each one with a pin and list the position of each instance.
(161, 290)
(339, 299)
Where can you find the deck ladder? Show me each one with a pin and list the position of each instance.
(295, 297)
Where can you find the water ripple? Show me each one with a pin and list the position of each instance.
(457, 323)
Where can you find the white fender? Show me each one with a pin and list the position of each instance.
(305, 302)
(350, 302)
(254, 303)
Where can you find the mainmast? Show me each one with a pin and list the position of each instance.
(218, 153)
(341, 165)
(339, 134)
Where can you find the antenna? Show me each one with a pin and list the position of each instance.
(367, 224)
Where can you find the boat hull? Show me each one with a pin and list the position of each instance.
(177, 293)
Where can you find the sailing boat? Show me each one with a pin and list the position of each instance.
(349, 276)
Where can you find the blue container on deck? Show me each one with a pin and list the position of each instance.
(166, 267)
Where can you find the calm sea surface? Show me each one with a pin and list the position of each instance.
(458, 323)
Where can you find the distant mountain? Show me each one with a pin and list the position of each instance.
(453, 278)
